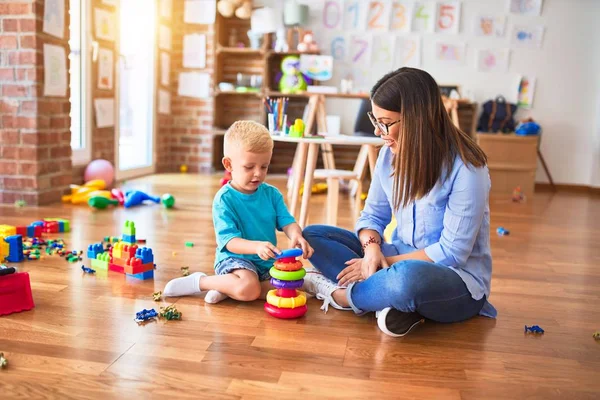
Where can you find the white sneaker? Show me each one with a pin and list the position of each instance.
(317, 284)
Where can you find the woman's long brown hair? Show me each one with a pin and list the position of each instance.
(428, 140)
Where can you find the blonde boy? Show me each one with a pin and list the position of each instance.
(246, 214)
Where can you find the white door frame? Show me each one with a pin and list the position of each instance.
(136, 172)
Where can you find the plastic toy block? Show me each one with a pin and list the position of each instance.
(38, 223)
(50, 227)
(7, 230)
(15, 248)
(115, 268)
(104, 257)
(22, 230)
(135, 266)
(15, 293)
(145, 254)
(129, 228)
(94, 249)
(99, 264)
(63, 224)
(119, 262)
(129, 239)
(34, 231)
(4, 249)
(117, 249)
(143, 275)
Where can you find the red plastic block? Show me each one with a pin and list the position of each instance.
(37, 231)
(115, 268)
(51, 227)
(15, 293)
(134, 266)
(22, 230)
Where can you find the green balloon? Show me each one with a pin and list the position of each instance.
(168, 200)
(101, 203)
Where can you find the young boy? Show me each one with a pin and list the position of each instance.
(246, 213)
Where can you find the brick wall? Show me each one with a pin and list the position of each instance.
(35, 152)
(192, 119)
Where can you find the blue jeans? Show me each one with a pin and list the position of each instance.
(432, 290)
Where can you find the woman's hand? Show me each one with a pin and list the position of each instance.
(359, 269)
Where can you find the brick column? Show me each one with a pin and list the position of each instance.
(35, 150)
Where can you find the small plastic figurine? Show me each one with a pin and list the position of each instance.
(145, 315)
(596, 335)
(185, 271)
(3, 361)
(534, 329)
(170, 313)
(157, 296)
(87, 270)
(517, 195)
(502, 232)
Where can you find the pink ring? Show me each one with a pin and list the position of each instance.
(285, 313)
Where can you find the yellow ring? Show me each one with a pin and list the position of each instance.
(286, 302)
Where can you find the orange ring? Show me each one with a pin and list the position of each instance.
(292, 266)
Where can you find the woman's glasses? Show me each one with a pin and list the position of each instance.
(385, 128)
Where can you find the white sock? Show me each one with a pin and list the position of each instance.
(214, 296)
(184, 286)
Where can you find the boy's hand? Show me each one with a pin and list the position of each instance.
(299, 241)
(266, 250)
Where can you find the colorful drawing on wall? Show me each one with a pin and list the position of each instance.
(166, 8)
(105, 24)
(333, 14)
(402, 13)
(354, 17)
(407, 52)
(194, 51)
(448, 17)
(493, 60)
(524, 36)
(319, 68)
(526, 91)
(54, 18)
(488, 25)
(105, 69)
(450, 53)
(55, 70)
(105, 112)
(383, 51)
(526, 7)
(424, 13)
(380, 12)
(164, 102)
(165, 68)
(164, 38)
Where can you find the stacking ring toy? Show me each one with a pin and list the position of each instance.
(289, 253)
(288, 266)
(279, 284)
(287, 276)
(285, 313)
(286, 292)
(286, 302)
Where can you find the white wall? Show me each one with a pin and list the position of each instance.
(567, 68)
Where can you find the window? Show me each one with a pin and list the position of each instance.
(79, 81)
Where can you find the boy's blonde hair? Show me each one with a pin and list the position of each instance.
(248, 136)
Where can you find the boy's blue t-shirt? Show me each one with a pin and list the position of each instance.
(253, 216)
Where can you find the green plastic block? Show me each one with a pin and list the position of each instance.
(129, 228)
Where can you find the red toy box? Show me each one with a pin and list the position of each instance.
(15, 293)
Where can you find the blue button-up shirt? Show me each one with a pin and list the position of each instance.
(452, 222)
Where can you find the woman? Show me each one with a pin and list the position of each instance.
(433, 178)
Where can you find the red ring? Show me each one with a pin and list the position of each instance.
(291, 266)
(286, 292)
(285, 313)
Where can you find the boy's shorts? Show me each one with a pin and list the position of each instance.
(230, 264)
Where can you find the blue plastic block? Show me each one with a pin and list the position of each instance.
(145, 254)
(15, 246)
(38, 223)
(94, 249)
(129, 239)
(31, 231)
(61, 226)
(142, 275)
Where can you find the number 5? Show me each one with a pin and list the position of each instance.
(446, 19)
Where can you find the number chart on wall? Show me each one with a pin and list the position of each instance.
(369, 37)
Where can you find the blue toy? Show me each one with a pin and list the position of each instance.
(136, 197)
(502, 232)
(534, 329)
(88, 270)
(528, 128)
(145, 315)
(15, 246)
(94, 249)
(289, 253)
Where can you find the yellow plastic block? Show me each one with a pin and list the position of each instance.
(7, 230)
(99, 264)
(117, 249)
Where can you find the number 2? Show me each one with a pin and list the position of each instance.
(373, 24)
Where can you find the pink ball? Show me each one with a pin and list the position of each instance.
(99, 169)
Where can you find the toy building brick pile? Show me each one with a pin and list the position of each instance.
(124, 256)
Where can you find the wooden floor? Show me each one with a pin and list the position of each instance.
(81, 341)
